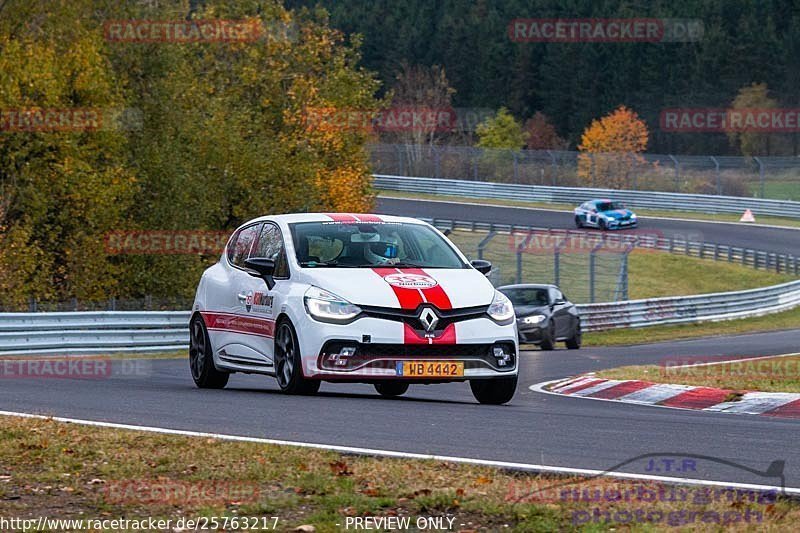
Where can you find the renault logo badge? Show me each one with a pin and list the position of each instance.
(428, 319)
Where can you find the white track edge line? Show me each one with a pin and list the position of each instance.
(747, 224)
(754, 358)
(409, 455)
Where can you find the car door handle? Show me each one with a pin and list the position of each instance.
(242, 296)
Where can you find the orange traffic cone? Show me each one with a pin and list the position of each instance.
(747, 216)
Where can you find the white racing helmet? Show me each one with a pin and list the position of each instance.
(381, 252)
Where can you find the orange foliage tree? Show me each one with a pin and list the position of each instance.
(610, 149)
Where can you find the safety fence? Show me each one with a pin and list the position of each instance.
(662, 201)
(147, 331)
(586, 240)
(775, 177)
(93, 332)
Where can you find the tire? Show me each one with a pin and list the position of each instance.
(548, 338)
(574, 342)
(494, 391)
(602, 225)
(578, 223)
(391, 389)
(288, 365)
(201, 358)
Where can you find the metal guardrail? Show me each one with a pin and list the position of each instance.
(688, 309)
(85, 333)
(665, 201)
(759, 259)
(93, 332)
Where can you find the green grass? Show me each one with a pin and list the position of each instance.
(769, 374)
(59, 470)
(688, 215)
(627, 336)
(780, 190)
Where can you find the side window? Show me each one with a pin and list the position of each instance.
(240, 245)
(270, 245)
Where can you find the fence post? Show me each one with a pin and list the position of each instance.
(594, 169)
(760, 175)
(484, 242)
(516, 168)
(677, 173)
(32, 304)
(553, 159)
(399, 160)
(593, 270)
(436, 162)
(719, 181)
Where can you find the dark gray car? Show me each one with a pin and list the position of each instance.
(544, 315)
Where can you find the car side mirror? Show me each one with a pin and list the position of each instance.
(559, 301)
(261, 267)
(482, 266)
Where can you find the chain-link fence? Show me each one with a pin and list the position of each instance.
(763, 177)
(589, 267)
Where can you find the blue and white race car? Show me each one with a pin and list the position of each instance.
(604, 214)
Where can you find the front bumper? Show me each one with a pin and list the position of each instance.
(376, 346)
(620, 224)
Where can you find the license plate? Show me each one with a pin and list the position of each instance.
(430, 369)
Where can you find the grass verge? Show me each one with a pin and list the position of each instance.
(627, 336)
(65, 471)
(767, 374)
(688, 215)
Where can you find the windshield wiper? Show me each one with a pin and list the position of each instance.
(331, 263)
(404, 264)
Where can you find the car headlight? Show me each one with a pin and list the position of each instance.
(633, 216)
(501, 309)
(327, 307)
(533, 319)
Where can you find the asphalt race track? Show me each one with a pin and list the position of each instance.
(444, 419)
(766, 238)
(534, 428)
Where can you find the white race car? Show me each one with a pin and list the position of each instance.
(356, 298)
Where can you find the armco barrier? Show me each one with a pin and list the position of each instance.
(93, 332)
(664, 201)
(688, 309)
(119, 331)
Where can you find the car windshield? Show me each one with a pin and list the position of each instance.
(367, 245)
(609, 206)
(527, 296)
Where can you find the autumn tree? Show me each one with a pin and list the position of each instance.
(502, 131)
(753, 97)
(610, 149)
(542, 134)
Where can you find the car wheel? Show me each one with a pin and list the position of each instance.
(578, 222)
(391, 388)
(548, 338)
(201, 358)
(288, 365)
(494, 391)
(601, 224)
(574, 342)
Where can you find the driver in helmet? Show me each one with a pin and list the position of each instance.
(381, 252)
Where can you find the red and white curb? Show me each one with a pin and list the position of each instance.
(775, 404)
